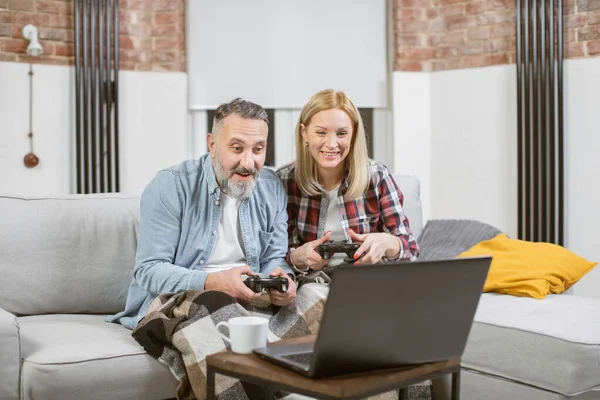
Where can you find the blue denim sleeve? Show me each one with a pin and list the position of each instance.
(275, 255)
(161, 210)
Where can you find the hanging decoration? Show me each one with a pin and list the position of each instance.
(30, 159)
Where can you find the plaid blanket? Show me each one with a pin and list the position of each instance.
(180, 331)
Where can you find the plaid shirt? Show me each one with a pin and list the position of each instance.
(379, 209)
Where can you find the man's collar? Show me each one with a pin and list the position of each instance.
(209, 170)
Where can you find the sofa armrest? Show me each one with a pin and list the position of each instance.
(10, 356)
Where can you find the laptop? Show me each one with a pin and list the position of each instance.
(390, 315)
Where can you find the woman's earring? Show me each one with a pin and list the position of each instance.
(306, 144)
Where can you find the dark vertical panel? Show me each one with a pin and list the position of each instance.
(527, 144)
(78, 81)
(101, 95)
(552, 125)
(93, 94)
(520, 133)
(109, 98)
(86, 95)
(535, 119)
(540, 120)
(270, 157)
(542, 214)
(367, 117)
(210, 115)
(545, 212)
(116, 93)
(96, 60)
(560, 133)
(548, 175)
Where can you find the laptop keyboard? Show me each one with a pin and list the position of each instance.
(302, 358)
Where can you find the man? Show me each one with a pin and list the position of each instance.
(205, 223)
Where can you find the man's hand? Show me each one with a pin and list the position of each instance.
(375, 245)
(306, 256)
(230, 282)
(278, 298)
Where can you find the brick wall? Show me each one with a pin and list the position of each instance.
(430, 35)
(435, 35)
(152, 33)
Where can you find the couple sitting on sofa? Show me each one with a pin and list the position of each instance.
(205, 223)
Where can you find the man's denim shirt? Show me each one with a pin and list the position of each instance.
(179, 218)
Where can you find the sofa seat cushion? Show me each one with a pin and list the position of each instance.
(84, 357)
(553, 344)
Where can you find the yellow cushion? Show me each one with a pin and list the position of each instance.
(532, 269)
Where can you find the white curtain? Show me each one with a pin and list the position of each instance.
(278, 53)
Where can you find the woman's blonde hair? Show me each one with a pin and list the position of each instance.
(356, 163)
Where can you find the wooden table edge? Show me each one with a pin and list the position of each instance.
(253, 370)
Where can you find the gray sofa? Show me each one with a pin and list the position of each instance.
(66, 262)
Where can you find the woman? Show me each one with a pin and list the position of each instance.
(336, 193)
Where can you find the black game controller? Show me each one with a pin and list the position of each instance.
(327, 249)
(257, 284)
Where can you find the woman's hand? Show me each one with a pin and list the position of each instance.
(375, 245)
(306, 256)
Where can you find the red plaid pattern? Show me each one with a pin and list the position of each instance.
(379, 209)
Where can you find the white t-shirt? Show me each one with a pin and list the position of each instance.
(229, 246)
(333, 223)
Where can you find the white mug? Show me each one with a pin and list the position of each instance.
(245, 333)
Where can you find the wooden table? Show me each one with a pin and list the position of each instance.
(251, 368)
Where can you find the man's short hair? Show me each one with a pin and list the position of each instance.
(241, 107)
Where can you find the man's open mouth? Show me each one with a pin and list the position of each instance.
(243, 174)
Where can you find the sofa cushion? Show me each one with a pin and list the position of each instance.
(69, 254)
(477, 386)
(10, 356)
(534, 269)
(553, 344)
(83, 357)
(411, 189)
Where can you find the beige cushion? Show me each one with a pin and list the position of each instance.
(70, 254)
(82, 357)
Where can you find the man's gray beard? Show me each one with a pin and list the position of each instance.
(237, 190)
